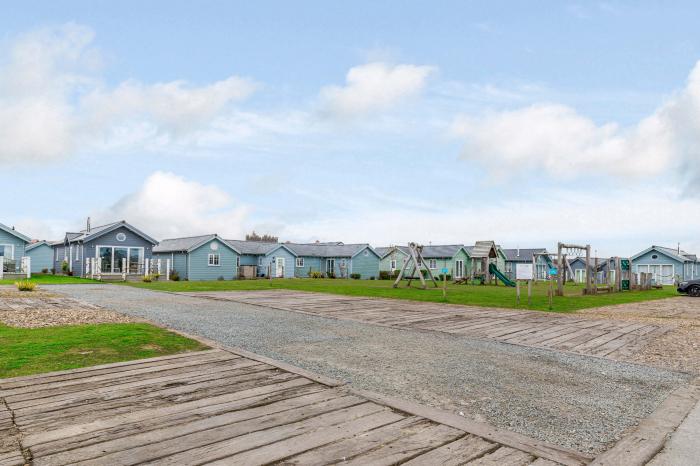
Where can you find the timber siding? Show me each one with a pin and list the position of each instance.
(311, 264)
(89, 249)
(668, 266)
(198, 262)
(42, 257)
(366, 263)
(271, 258)
(395, 254)
(12, 243)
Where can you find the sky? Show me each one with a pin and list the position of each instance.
(379, 122)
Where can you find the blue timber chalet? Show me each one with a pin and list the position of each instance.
(205, 257)
(542, 261)
(666, 265)
(110, 244)
(13, 245)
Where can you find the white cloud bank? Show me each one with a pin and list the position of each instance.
(168, 206)
(566, 144)
(53, 102)
(373, 87)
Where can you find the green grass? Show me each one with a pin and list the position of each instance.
(489, 296)
(32, 351)
(48, 279)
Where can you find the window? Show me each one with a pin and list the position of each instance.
(238, 261)
(114, 258)
(366, 253)
(260, 260)
(300, 262)
(121, 237)
(214, 260)
(654, 256)
(393, 264)
(432, 263)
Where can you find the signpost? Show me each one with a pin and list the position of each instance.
(523, 272)
(444, 271)
(552, 273)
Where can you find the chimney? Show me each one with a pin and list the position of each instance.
(679, 249)
(87, 227)
(517, 251)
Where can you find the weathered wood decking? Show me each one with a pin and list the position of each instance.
(584, 335)
(220, 407)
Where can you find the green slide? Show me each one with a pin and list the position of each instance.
(506, 281)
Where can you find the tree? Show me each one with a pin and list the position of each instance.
(262, 239)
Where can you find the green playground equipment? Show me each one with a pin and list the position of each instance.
(506, 281)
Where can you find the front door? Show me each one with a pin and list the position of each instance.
(459, 269)
(279, 269)
(330, 266)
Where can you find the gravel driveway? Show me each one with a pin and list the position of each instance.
(579, 402)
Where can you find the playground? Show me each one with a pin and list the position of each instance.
(494, 295)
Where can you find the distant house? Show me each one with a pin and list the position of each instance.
(453, 257)
(12, 248)
(667, 265)
(392, 258)
(206, 257)
(524, 256)
(604, 274)
(342, 260)
(41, 254)
(112, 245)
(265, 258)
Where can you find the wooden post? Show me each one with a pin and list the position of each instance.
(589, 278)
(124, 268)
(400, 276)
(2, 266)
(560, 271)
(444, 286)
(29, 266)
(550, 293)
(415, 260)
(517, 292)
(167, 270)
(529, 293)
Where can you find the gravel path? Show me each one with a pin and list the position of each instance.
(574, 401)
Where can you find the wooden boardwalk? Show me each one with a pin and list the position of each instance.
(574, 333)
(230, 407)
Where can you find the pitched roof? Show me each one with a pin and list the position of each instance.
(187, 244)
(85, 235)
(14, 232)
(36, 244)
(252, 247)
(671, 252)
(522, 254)
(483, 249)
(327, 249)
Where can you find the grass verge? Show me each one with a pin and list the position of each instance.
(48, 279)
(33, 351)
(475, 295)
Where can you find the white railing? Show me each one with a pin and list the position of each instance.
(13, 266)
(150, 267)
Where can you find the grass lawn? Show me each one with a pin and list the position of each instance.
(35, 350)
(490, 296)
(48, 279)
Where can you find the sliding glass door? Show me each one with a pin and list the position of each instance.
(112, 259)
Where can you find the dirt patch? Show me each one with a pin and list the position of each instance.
(43, 309)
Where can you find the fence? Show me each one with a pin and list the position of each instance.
(149, 267)
(15, 267)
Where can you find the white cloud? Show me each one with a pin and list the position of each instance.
(168, 205)
(372, 87)
(53, 102)
(564, 143)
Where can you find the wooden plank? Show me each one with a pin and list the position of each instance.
(409, 447)
(503, 456)
(350, 447)
(455, 453)
(209, 445)
(321, 435)
(225, 401)
(209, 429)
(12, 458)
(639, 447)
(517, 441)
(34, 380)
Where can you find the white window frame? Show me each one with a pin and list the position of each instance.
(432, 264)
(238, 261)
(142, 255)
(214, 259)
(12, 250)
(300, 262)
(392, 265)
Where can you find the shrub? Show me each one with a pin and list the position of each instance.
(221, 278)
(395, 273)
(330, 274)
(174, 276)
(147, 279)
(442, 277)
(355, 276)
(53, 271)
(371, 278)
(383, 275)
(25, 285)
(64, 266)
(44, 270)
(69, 273)
(315, 274)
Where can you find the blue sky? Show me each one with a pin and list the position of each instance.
(356, 121)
